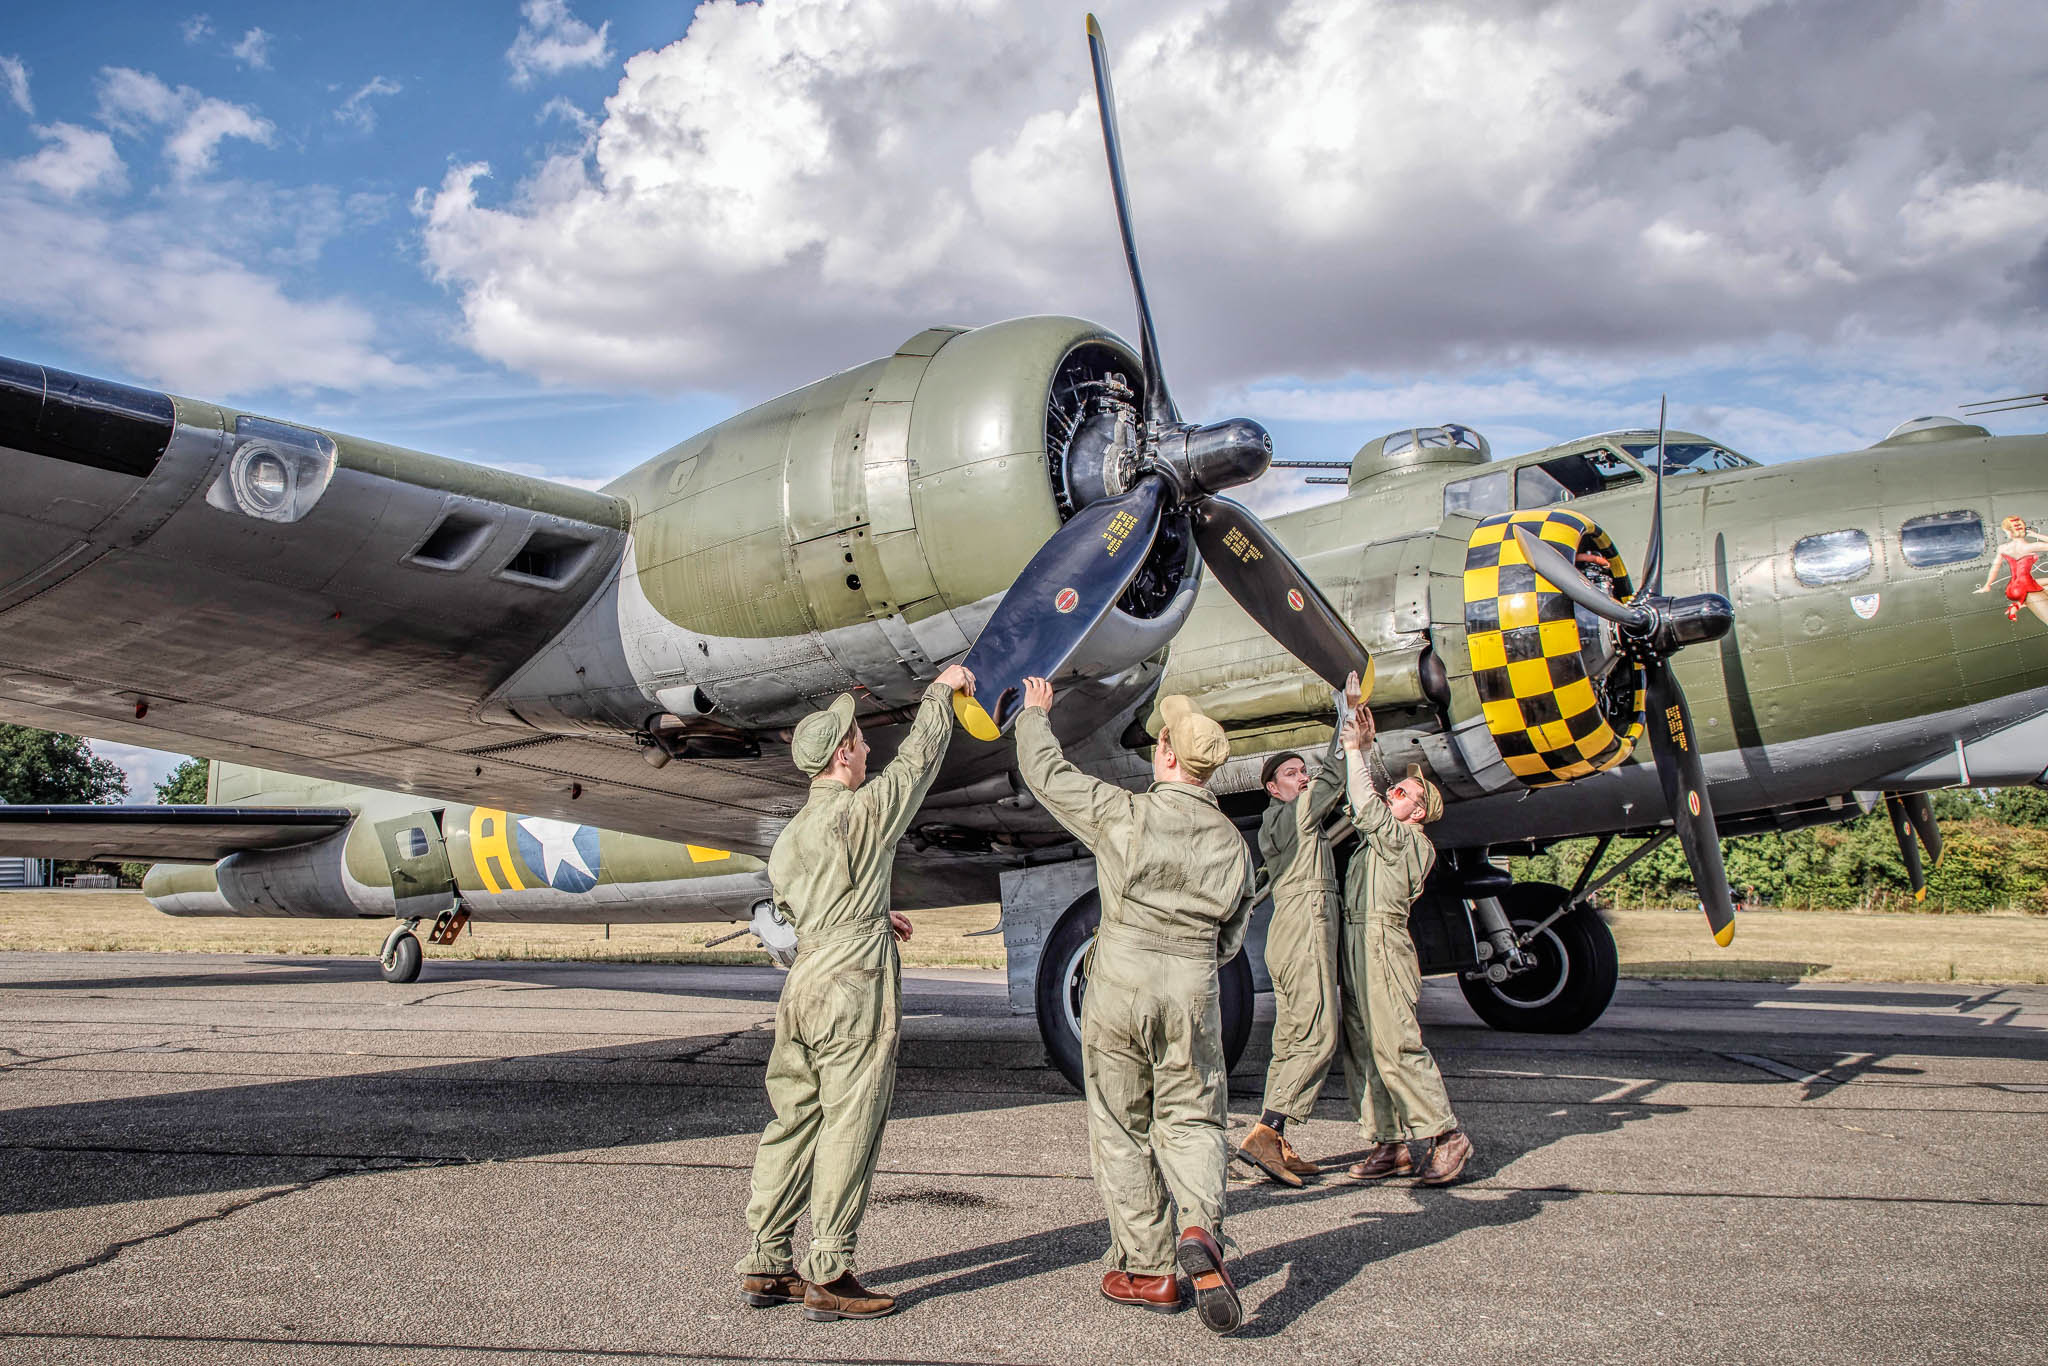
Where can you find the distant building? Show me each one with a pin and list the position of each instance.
(24, 872)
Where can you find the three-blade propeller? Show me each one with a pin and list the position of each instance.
(1652, 628)
(1173, 471)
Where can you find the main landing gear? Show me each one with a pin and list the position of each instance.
(1564, 964)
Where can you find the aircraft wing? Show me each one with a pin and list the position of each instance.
(180, 575)
(160, 834)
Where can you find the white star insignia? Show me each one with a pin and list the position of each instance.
(557, 845)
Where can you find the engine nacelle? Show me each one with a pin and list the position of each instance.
(855, 534)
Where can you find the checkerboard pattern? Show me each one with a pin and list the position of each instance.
(1548, 720)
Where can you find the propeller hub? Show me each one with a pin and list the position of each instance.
(1204, 460)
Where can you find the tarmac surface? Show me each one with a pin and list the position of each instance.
(228, 1159)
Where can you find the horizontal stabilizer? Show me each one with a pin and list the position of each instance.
(166, 834)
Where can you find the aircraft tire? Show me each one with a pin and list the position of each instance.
(1061, 983)
(1574, 978)
(402, 963)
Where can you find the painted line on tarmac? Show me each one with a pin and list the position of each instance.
(485, 1349)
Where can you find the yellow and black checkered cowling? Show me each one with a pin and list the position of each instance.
(1532, 651)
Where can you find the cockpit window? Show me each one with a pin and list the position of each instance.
(1687, 457)
(1571, 476)
(1943, 538)
(1831, 557)
(1482, 495)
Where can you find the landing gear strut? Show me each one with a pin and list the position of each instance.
(400, 961)
(1571, 971)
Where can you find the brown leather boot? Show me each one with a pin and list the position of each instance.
(1448, 1154)
(1261, 1148)
(846, 1298)
(1296, 1163)
(1160, 1294)
(1388, 1159)
(765, 1292)
(1201, 1257)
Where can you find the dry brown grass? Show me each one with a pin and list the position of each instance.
(70, 921)
(1769, 945)
(1841, 946)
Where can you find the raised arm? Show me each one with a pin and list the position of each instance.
(1376, 824)
(888, 801)
(1080, 803)
(1325, 790)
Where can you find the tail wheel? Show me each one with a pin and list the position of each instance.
(401, 959)
(1575, 973)
(1062, 982)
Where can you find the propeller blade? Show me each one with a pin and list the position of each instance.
(1676, 747)
(1554, 569)
(1909, 847)
(1256, 569)
(1070, 584)
(1653, 555)
(1920, 811)
(1159, 409)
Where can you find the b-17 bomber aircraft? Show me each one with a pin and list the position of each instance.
(521, 700)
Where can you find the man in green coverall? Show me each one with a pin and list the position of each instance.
(833, 1068)
(1301, 950)
(1176, 885)
(1395, 1084)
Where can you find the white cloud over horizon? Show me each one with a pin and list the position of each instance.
(253, 50)
(14, 78)
(1321, 191)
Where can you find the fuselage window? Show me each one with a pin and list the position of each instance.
(1482, 495)
(1536, 487)
(1831, 557)
(1943, 538)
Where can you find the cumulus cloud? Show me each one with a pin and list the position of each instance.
(552, 40)
(196, 28)
(14, 79)
(187, 287)
(131, 100)
(253, 50)
(357, 111)
(1322, 191)
(76, 160)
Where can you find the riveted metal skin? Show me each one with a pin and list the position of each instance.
(1534, 654)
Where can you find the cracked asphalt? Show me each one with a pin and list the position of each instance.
(229, 1159)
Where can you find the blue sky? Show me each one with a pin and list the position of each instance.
(561, 235)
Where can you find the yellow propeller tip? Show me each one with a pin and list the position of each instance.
(1094, 29)
(1725, 935)
(1920, 895)
(974, 718)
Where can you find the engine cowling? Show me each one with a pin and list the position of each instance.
(854, 534)
(1557, 698)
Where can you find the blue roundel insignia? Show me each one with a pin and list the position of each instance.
(561, 851)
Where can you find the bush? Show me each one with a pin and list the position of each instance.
(1988, 863)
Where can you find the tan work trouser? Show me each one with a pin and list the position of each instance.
(1301, 958)
(831, 1077)
(1152, 1060)
(1397, 1093)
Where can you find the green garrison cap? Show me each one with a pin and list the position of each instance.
(818, 734)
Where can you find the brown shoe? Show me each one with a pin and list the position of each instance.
(765, 1292)
(1215, 1295)
(1448, 1154)
(845, 1298)
(1388, 1159)
(1160, 1294)
(1261, 1148)
(1295, 1162)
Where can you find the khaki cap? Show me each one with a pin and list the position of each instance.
(819, 734)
(1198, 742)
(1432, 796)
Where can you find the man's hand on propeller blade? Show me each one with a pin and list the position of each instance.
(958, 678)
(1037, 693)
